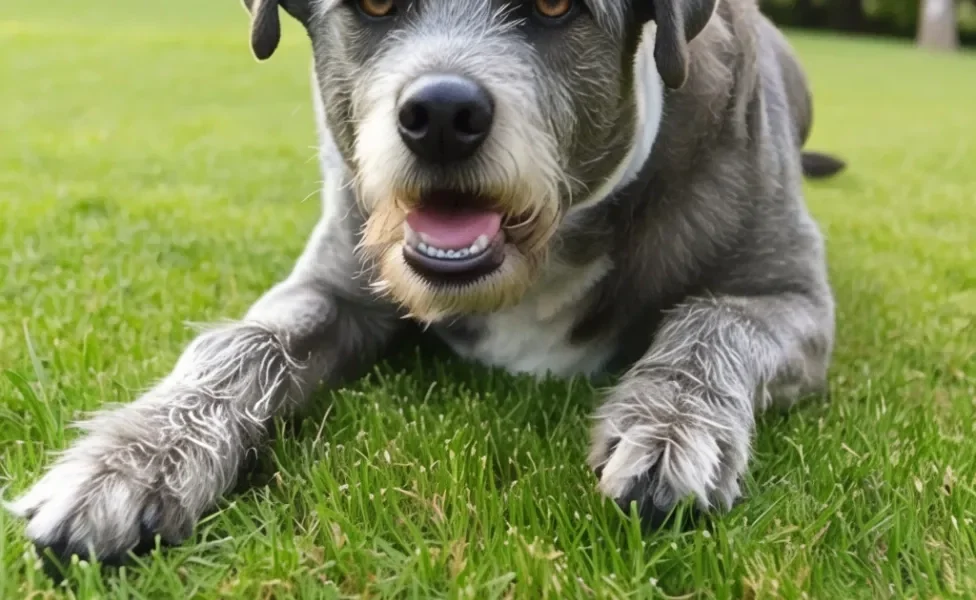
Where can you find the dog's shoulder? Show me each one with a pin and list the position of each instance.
(718, 206)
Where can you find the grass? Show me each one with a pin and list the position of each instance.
(152, 174)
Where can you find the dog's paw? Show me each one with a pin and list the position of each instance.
(659, 443)
(97, 501)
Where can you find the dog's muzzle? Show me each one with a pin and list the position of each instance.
(444, 119)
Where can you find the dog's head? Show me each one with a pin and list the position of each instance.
(473, 127)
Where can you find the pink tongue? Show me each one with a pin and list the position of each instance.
(454, 230)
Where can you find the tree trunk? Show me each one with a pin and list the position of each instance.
(937, 27)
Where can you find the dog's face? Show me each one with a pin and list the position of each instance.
(472, 127)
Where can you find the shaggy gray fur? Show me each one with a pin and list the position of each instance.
(665, 134)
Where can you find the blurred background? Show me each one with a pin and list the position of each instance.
(937, 24)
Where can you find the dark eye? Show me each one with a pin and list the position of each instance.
(377, 9)
(553, 9)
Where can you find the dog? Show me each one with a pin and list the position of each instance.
(553, 187)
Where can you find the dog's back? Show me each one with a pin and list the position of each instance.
(776, 48)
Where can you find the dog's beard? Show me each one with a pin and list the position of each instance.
(532, 217)
(518, 172)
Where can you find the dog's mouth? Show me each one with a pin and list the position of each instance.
(453, 236)
(442, 253)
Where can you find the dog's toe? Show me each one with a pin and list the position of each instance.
(651, 514)
(95, 513)
(658, 472)
(640, 492)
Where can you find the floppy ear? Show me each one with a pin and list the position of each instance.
(678, 22)
(265, 27)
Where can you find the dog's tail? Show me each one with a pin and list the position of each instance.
(817, 165)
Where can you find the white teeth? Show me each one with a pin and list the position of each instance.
(479, 245)
(410, 236)
(419, 242)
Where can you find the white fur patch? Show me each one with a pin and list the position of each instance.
(649, 99)
(330, 160)
(533, 337)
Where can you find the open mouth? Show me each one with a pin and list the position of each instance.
(453, 239)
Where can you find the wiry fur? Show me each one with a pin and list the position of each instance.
(680, 421)
(648, 158)
(173, 453)
(154, 466)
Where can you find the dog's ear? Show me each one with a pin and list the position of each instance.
(678, 22)
(265, 27)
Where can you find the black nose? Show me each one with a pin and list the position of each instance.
(444, 118)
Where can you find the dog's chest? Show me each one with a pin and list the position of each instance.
(534, 336)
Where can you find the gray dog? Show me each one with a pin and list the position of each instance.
(549, 186)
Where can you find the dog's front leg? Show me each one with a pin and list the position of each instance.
(679, 423)
(157, 464)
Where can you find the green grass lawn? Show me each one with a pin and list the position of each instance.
(152, 174)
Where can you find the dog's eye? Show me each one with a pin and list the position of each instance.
(553, 9)
(377, 9)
